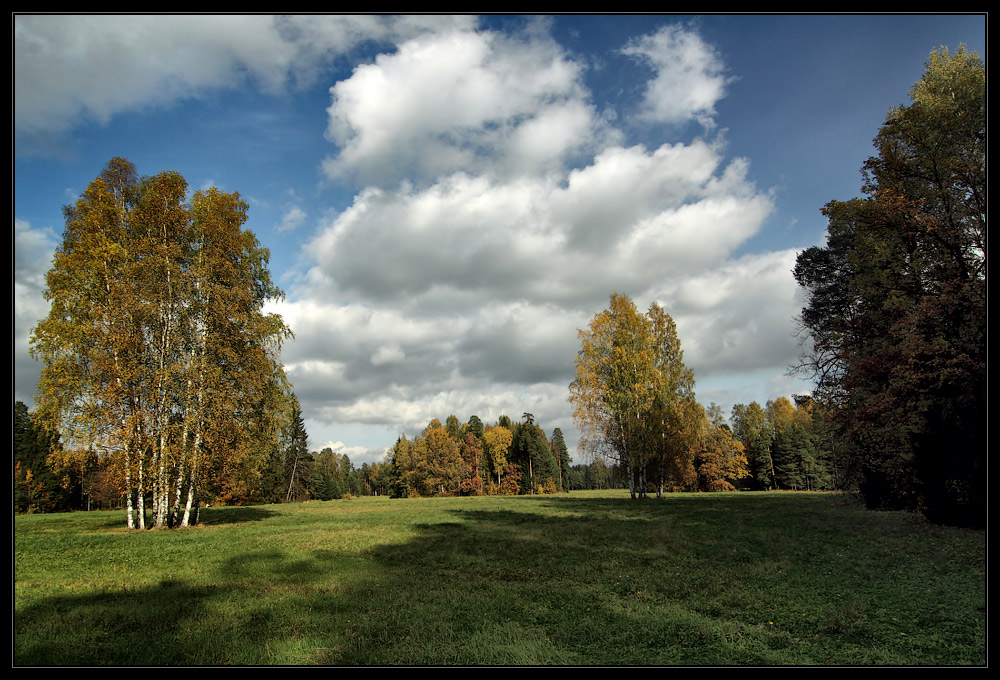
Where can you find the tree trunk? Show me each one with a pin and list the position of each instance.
(130, 516)
(139, 495)
(631, 480)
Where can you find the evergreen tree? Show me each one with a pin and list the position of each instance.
(561, 455)
(296, 461)
(37, 488)
(475, 426)
(752, 429)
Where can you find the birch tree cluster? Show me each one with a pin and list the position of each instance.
(634, 402)
(157, 354)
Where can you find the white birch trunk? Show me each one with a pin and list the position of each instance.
(185, 521)
(130, 517)
(140, 496)
(178, 489)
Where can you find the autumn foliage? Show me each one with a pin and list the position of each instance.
(634, 401)
(896, 303)
(158, 358)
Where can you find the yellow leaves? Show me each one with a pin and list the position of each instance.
(633, 397)
(497, 440)
(156, 341)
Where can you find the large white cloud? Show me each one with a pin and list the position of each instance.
(739, 316)
(496, 211)
(459, 101)
(74, 68)
(617, 224)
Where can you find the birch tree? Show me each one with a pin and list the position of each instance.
(633, 397)
(156, 351)
(497, 440)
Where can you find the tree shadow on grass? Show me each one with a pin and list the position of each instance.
(488, 587)
(140, 626)
(109, 520)
(232, 621)
(524, 588)
(234, 515)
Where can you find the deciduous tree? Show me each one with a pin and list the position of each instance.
(633, 397)
(896, 302)
(156, 351)
(497, 440)
(720, 460)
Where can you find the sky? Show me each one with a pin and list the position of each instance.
(448, 199)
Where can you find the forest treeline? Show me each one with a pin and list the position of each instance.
(789, 447)
(779, 446)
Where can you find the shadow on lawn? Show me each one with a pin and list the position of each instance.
(122, 628)
(532, 584)
(234, 515)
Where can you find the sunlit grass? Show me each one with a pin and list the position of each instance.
(581, 578)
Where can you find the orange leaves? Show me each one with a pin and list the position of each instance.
(721, 459)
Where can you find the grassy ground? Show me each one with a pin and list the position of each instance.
(584, 578)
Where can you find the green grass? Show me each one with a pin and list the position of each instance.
(584, 578)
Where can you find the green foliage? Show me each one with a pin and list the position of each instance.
(787, 446)
(793, 454)
(295, 457)
(752, 429)
(561, 454)
(37, 487)
(597, 475)
(530, 452)
(327, 478)
(475, 426)
(896, 303)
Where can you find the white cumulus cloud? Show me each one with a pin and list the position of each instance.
(472, 101)
(689, 76)
(497, 217)
(74, 68)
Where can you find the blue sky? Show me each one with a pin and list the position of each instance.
(448, 199)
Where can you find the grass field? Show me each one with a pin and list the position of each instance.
(584, 578)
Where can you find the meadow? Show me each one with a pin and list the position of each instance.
(586, 578)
